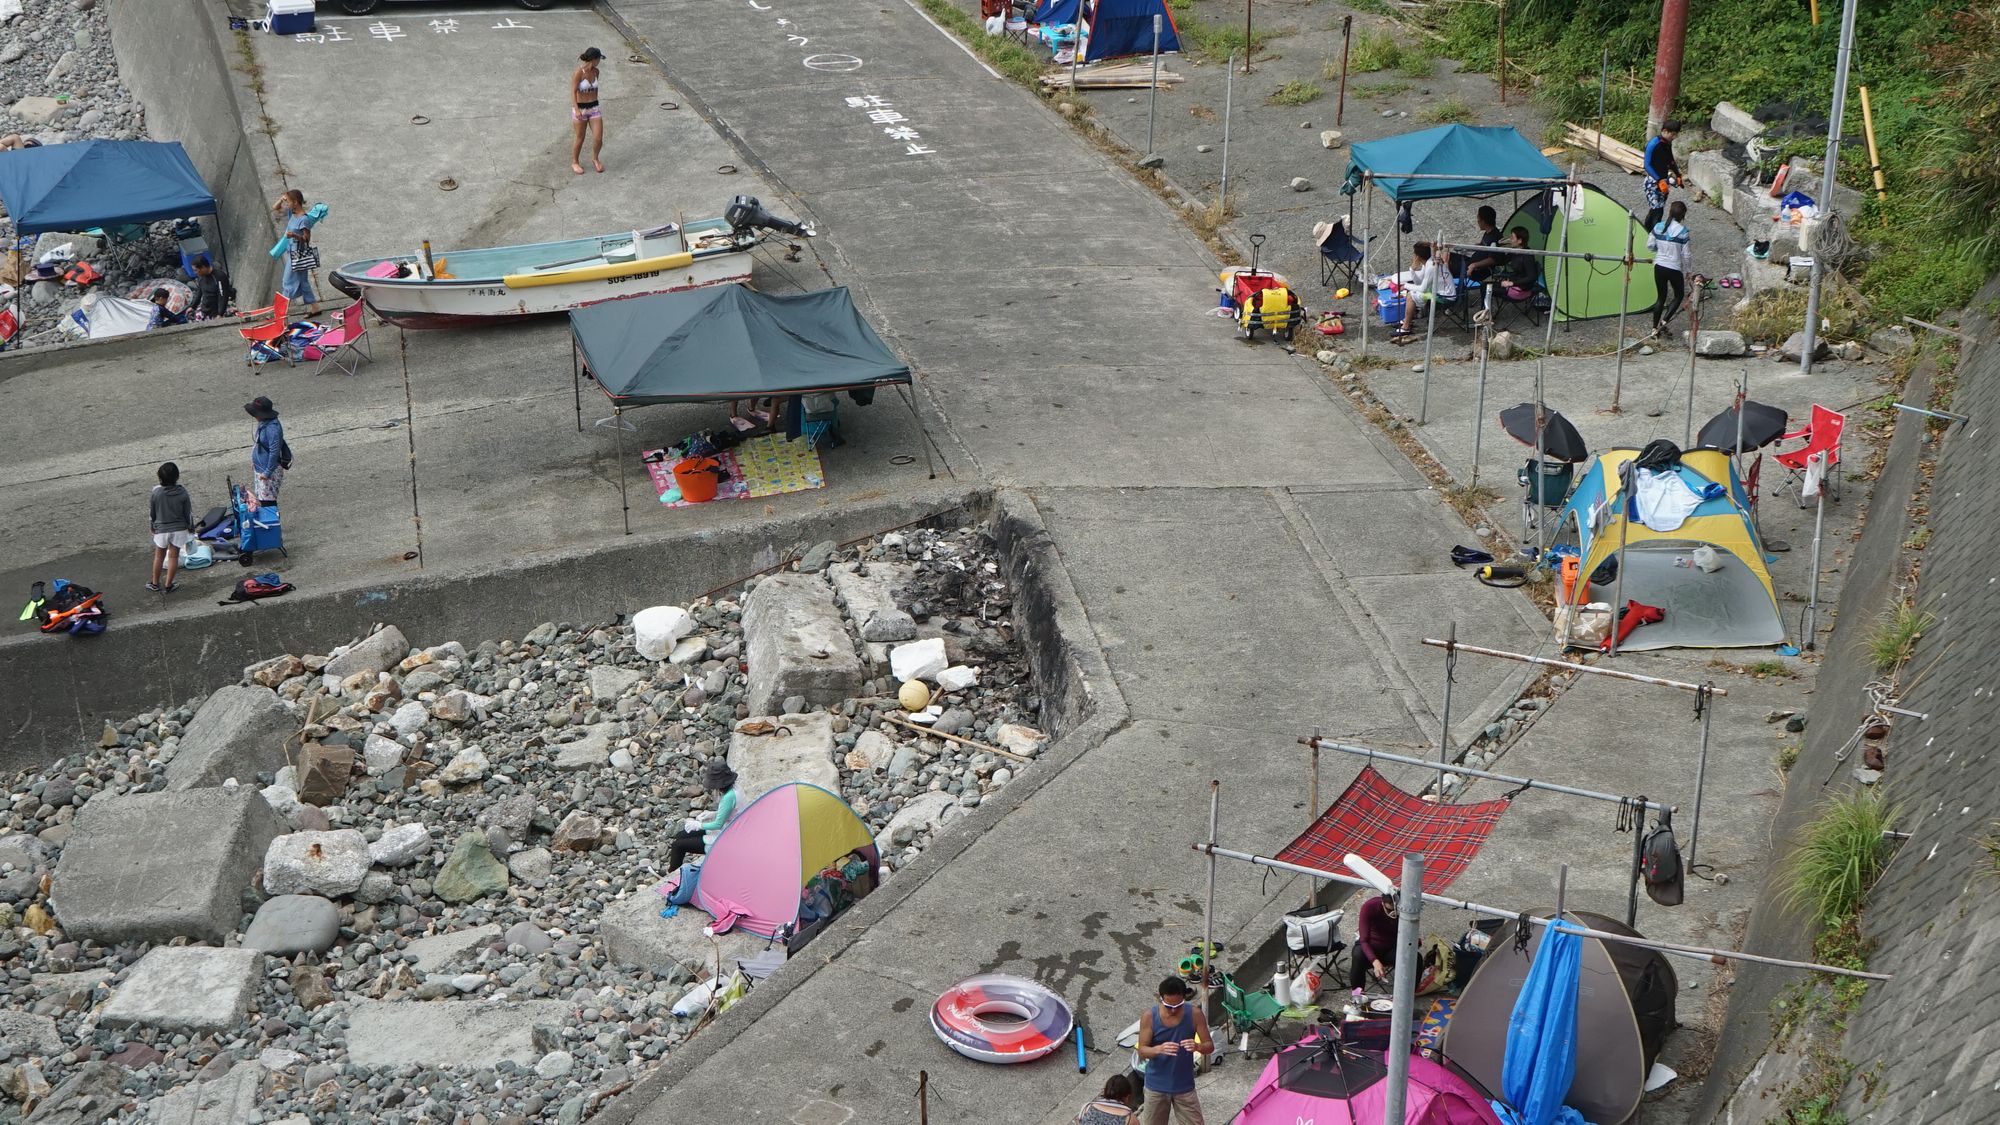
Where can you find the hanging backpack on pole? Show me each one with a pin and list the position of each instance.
(1660, 862)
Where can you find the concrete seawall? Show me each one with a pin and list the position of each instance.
(61, 690)
(175, 56)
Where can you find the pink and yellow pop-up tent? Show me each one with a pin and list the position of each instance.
(754, 875)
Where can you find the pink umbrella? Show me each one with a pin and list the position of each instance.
(1328, 1082)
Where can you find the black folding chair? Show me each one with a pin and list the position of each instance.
(1340, 257)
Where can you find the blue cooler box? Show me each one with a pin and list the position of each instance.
(1390, 306)
(259, 530)
(289, 17)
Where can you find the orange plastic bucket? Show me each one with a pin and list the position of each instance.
(697, 478)
(1571, 565)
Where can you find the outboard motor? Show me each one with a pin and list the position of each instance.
(745, 213)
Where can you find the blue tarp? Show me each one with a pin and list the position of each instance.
(1056, 11)
(97, 183)
(1125, 27)
(1541, 1036)
(1470, 157)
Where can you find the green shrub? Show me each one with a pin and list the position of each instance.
(1448, 111)
(1838, 855)
(1294, 93)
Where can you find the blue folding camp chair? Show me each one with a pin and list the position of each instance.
(1340, 257)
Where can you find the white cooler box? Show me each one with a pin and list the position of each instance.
(289, 17)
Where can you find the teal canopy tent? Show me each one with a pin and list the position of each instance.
(1450, 162)
(728, 342)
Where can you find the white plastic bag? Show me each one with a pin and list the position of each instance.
(996, 24)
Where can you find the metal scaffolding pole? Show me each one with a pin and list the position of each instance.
(1409, 905)
(1550, 662)
(1677, 949)
(1468, 771)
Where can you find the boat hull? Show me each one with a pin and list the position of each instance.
(412, 303)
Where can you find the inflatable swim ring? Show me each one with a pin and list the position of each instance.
(1042, 1024)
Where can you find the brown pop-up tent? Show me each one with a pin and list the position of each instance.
(1625, 1008)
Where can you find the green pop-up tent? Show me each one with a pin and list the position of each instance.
(727, 342)
(1600, 227)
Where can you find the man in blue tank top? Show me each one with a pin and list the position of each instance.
(1171, 1034)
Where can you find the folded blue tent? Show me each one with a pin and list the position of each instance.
(1117, 27)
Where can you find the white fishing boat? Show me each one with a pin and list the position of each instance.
(451, 288)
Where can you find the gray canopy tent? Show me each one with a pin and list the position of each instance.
(727, 342)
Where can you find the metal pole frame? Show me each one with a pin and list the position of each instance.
(1828, 181)
(1693, 952)
(1249, 38)
(1153, 102)
(1624, 306)
(1346, 40)
(1551, 662)
(1208, 911)
(1367, 267)
(1479, 409)
(1811, 639)
(1706, 706)
(1638, 872)
(1625, 474)
(1409, 905)
(618, 436)
(1528, 252)
(1555, 291)
(1444, 722)
(908, 394)
(1694, 338)
(1519, 782)
(576, 383)
(1228, 94)
(1500, 52)
(1430, 328)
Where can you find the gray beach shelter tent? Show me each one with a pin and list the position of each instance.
(1625, 1008)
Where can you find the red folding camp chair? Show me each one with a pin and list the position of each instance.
(346, 344)
(1822, 442)
(265, 332)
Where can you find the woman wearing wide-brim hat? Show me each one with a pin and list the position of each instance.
(696, 835)
(270, 456)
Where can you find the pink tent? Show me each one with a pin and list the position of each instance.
(1321, 1082)
(753, 877)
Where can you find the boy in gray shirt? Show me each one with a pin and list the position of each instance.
(173, 525)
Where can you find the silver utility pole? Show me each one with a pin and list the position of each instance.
(1409, 903)
(1153, 104)
(1826, 182)
(1228, 90)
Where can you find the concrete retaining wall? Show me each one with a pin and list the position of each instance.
(60, 690)
(176, 56)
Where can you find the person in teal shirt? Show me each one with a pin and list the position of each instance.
(696, 835)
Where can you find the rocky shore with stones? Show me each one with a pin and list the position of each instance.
(403, 884)
(59, 83)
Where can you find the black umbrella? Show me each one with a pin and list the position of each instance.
(1560, 441)
(1335, 1066)
(1762, 425)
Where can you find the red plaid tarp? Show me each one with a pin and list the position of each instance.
(1381, 823)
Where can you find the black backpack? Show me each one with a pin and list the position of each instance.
(1660, 862)
(257, 587)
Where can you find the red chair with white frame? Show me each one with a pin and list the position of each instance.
(346, 344)
(1822, 445)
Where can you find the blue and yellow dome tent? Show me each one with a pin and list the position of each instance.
(1734, 606)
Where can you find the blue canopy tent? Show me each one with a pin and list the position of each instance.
(1447, 162)
(1125, 27)
(99, 183)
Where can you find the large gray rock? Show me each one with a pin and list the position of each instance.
(1893, 340)
(1720, 344)
(608, 682)
(1796, 344)
(399, 845)
(186, 988)
(377, 652)
(923, 813)
(289, 924)
(239, 732)
(588, 752)
(635, 935)
(1715, 174)
(442, 951)
(471, 872)
(391, 1033)
(800, 750)
(1736, 124)
(227, 1100)
(316, 863)
(29, 1034)
(869, 594)
(155, 866)
(797, 644)
(90, 1095)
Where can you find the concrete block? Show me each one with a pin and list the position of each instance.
(316, 863)
(635, 935)
(442, 951)
(378, 652)
(608, 683)
(36, 110)
(467, 1033)
(588, 752)
(797, 644)
(29, 1034)
(186, 988)
(399, 845)
(239, 732)
(155, 866)
(801, 750)
(870, 589)
(1715, 174)
(227, 1100)
(1736, 124)
(289, 924)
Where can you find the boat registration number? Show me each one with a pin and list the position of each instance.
(631, 277)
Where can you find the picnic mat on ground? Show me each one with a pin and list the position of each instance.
(763, 466)
(1380, 823)
(1430, 1033)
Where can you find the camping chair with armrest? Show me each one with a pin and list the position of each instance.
(346, 344)
(1341, 257)
(266, 333)
(1822, 441)
(1251, 1011)
(1547, 490)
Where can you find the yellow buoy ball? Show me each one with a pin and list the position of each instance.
(1340, 294)
(914, 695)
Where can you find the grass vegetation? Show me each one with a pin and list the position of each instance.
(1388, 89)
(1001, 53)
(1788, 756)
(1891, 642)
(1448, 111)
(1214, 40)
(1294, 93)
(1837, 856)
(1934, 84)
(1774, 314)
(1379, 50)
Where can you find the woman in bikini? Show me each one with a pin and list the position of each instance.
(584, 111)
